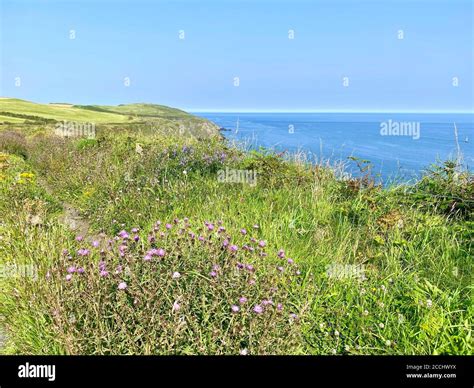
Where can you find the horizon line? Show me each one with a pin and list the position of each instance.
(325, 111)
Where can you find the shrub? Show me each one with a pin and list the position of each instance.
(174, 291)
(13, 143)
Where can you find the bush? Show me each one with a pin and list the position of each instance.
(173, 291)
(13, 143)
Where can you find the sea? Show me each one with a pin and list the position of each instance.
(399, 147)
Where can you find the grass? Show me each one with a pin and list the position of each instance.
(372, 271)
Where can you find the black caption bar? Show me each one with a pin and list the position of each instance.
(131, 371)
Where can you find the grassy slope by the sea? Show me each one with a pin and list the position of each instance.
(376, 271)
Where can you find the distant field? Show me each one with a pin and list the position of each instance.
(11, 110)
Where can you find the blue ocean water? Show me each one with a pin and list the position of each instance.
(337, 136)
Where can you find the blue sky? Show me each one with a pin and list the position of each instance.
(245, 39)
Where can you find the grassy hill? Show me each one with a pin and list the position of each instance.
(150, 117)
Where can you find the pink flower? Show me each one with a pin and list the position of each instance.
(176, 275)
(258, 309)
(176, 306)
(290, 261)
(281, 269)
(243, 231)
(210, 227)
(122, 286)
(68, 277)
(147, 257)
(235, 309)
(104, 273)
(234, 248)
(243, 300)
(169, 226)
(123, 234)
(213, 274)
(95, 244)
(161, 252)
(135, 230)
(279, 307)
(71, 269)
(262, 243)
(83, 252)
(281, 253)
(79, 238)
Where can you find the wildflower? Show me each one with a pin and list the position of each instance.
(281, 269)
(429, 303)
(242, 300)
(176, 275)
(123, 234)
(267, 302)
(147, 257)
(200, 238)
(136, 237)
(220, 229)
(225, 243)
(210, 227)
(250, 267)
(234, 248)
(101, 265)
(243, 231)
(161, 252)
(71, 269)
(244, 352)
(151, 238)
(336, 333)
(334, 351)
(65, 252)
(122, 286)
(388, 343)
(290, 261)
(279, 307)
(365, 312)
(118, 270)
(168, 226)
(261, 243)
(68, 277)
(176, 306)
(256, 226)
(235, 309)
(293, 316)
(83, 252)
(135, 230)
(79, 238)
(240, 265)
(215, 267)
(192, 235)
(104, 273)
(95, 244)
(251, 282)
(213, 274)
(48, 275)
(381, 325)
(298, 272)
(258, 309)
(281, 253)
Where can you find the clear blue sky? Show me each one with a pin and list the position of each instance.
(246, 39)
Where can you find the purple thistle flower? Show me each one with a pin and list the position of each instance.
(279, 307)
(240, 266)
(192, 235)
(215, 267)
(101, 265)
(258, 309)
(243, 231)
(151, 238)
(243, 300)
(161, 252)
(123, 234)
(65, 252)
(135, 230)
(200, 238)
(79, 238)
(250, 267)
(234, 308)
(290, 261)
(281, 253)
(136, 237)
(281, 269)
(68, 277)
(210, 227)
(220, 229)
(103, 273)
(147, 257)
(225, 243)
(71, 269)
(83, 252)
(213, 274)
(234, 248)
(169, 226)
(95, 244)
(261, 243)
(122, 286)
(176, 275)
